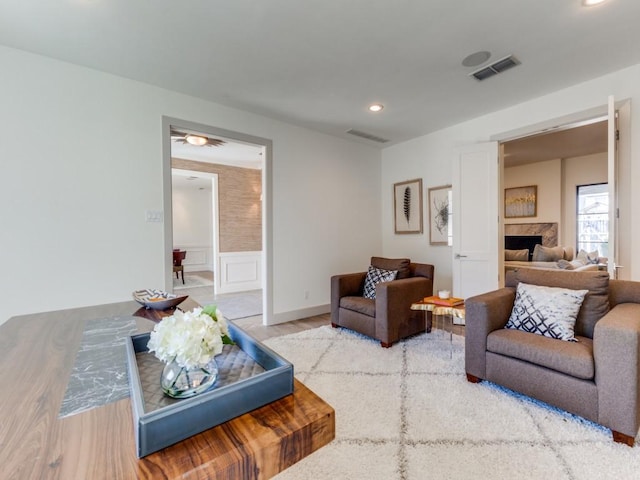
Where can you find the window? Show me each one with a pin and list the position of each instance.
(592, 228)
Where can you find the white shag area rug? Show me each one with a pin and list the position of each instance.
(409, 413)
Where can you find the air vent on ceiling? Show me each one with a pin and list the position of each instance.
(496, 67)
(368, 136)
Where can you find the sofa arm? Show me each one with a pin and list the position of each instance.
(484, 314)
(393, 304)
(346, 285)
(616, 351)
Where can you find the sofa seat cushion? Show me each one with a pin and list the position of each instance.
(571, 358)
(360, 305)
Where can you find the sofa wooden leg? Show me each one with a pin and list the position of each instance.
(385, 345)
(334, 325)
(622, 438)
(473, 378)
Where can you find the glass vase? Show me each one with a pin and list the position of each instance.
(183, 382)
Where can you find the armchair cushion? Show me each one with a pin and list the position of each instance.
(595, 304)
(374, 277)
(360, 305)
(402, 265)
(546, 311)
(572, 358)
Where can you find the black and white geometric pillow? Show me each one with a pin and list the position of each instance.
(547, 311)
(375, 276)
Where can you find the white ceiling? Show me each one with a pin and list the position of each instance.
(188, 180)
(230, 153)
(319, 63)
(565, 143)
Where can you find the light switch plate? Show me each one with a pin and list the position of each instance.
(154, 215)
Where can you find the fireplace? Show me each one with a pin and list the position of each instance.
(520, 242)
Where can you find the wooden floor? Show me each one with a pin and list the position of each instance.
(254, 326)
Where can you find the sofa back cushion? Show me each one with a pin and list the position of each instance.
(402, 265)
(516, 255)
(547, 254)
(595, 304)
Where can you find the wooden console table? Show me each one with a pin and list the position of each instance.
(38, 354)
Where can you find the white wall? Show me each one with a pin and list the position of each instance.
(193, 226)
(557, 181)
(547, 176)
(429, 157)
(81, 162)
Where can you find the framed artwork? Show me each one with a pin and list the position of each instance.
(439, 215)
(407, 203)
(520, 202)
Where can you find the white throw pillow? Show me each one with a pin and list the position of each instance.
(375, 276)
(547, 311)
(587, 257)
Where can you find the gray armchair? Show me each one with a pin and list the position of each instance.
(597, 377)
(388, 317)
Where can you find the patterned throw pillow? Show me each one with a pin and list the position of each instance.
(375, 276)
(588, 257)
(547, 311)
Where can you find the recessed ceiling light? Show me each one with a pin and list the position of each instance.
(476, 59)
(196, 140)
(376, 107)
(591, 3)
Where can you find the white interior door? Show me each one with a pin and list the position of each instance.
(475, 219)
(612, 178)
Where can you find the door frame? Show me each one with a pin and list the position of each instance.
(267, 202)
(569, 121)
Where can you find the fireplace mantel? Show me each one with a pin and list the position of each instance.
(549, 231)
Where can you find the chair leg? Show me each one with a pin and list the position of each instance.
(473, 378)
(622, 438)
(182, 273)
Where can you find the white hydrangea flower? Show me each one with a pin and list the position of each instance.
(191, 339)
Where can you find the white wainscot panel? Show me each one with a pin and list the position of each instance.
(198, 259)
(240, 271)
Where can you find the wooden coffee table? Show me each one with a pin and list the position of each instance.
(38, 355)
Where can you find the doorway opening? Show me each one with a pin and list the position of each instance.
(584, 148)
(217, 197)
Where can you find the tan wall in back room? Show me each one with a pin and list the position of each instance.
(239, 204)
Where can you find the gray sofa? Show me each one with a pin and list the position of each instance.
(596, 378)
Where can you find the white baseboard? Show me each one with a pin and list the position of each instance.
(289, 316)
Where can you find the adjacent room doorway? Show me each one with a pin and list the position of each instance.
(240, 262)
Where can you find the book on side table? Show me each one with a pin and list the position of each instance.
(445, 302)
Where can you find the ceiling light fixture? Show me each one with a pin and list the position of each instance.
(376, 107)
(196, 140)
(476, 59)
(591, 3)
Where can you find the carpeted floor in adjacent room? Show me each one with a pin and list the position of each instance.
(408, 413)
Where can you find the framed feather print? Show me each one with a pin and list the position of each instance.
(440, 215)
(407, 202)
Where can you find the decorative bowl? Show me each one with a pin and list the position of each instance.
(157, 299)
